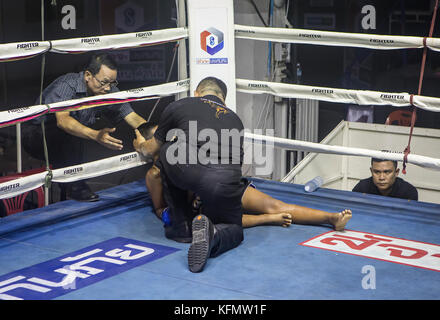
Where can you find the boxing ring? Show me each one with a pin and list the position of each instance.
(272, 263)
(116, 248)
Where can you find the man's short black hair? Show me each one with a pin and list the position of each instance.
(214, 84)
(381, 160)
(146, 130)
(97, 60)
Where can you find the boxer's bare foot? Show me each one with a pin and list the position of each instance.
(340, 219)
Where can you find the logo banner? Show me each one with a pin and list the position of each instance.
(79, 269)
(396, 250)
(212, 44)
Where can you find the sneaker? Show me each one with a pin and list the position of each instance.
(166, 216)
(202, 238)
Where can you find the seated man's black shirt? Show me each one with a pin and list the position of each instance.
(401, 189)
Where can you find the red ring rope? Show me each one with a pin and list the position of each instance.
(422, 72)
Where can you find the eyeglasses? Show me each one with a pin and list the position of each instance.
(112, 84)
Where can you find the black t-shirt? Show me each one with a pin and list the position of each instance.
(208, 131)
(401, 189)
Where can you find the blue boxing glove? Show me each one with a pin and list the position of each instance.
(166, 217)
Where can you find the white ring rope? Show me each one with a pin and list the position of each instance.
(360, 97)
(136, 39)
(29, 49)
(22, 114)
(88, 170)
(289, 144)
(330, 38)
(24, 50)
(131, 160)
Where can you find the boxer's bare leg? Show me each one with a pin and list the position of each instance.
(153, 182)
(263, 208)
(255, 201)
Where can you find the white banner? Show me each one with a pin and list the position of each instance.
(212, 44)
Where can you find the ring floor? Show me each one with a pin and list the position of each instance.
(115, 249)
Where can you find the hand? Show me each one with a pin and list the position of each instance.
(137, 143)
(107, 140)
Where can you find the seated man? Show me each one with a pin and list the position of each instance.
(384, 181)
(259, 208)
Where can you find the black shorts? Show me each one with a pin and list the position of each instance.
(63, 149)
(220, 189)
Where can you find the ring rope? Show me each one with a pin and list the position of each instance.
(22, 114)
(422, 161)
(11, 52)
(422, 72)
(176, 46)
(24, 50)
(359, 97)
(89, 170)
(48, 178)
(283, 90)
(131, 160)
(338, 39)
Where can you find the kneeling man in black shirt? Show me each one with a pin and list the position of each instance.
(384, 181)
(198, 147)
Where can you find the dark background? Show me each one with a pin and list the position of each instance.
(20, 21)
(377, 70)
(338, 67)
